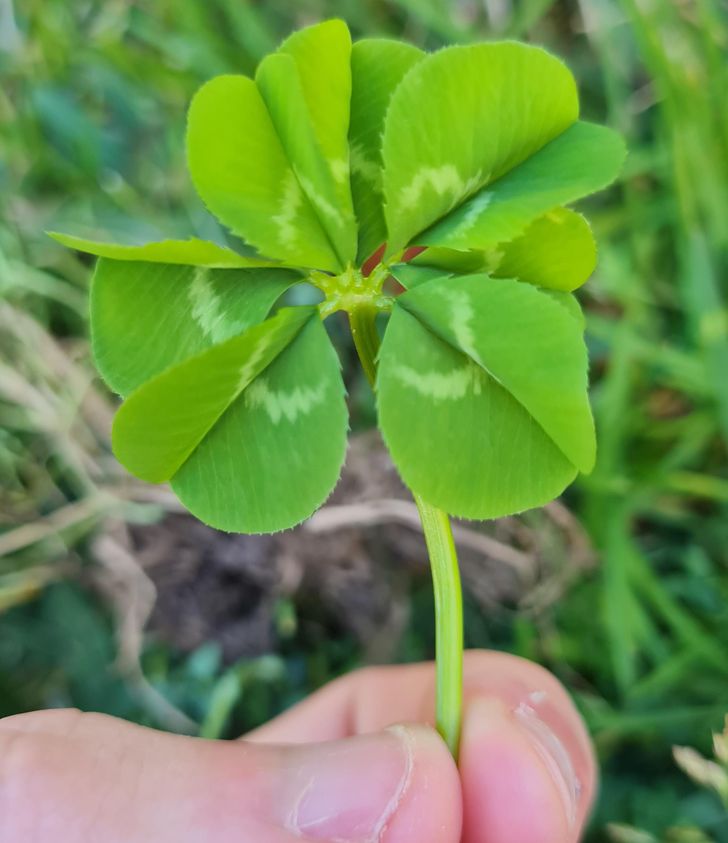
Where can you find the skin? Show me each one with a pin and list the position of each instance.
(329, 769)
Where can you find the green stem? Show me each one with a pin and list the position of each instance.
(363, 322)
(448, 621)
(443, 564)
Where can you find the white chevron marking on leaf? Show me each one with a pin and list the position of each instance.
(478, 204)
(366, 167)
(461, 323)
(450, 386)
(207, 309)
(444, 180)
(340, 170)
(320, 201)
(288, 405)
(248, 369)
(286, 217)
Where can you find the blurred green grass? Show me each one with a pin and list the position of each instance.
(92, 108)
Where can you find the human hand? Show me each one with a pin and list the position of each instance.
(327, 770)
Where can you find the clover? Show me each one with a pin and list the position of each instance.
(424, 191)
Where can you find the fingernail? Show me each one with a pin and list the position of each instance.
(348, 791)
(552, 752)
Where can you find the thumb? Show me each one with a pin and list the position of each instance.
(395, 786)
(68, 777)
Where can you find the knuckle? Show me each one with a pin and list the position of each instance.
(363, 674)
(370, 677)
(383, 673)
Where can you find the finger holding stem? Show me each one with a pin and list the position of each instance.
(443, 564)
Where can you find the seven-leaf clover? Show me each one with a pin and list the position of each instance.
(334, 153)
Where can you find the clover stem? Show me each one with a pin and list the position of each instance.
(363, 325)
(448, 621)
(443, 564)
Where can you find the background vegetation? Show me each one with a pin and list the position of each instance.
(92, 106)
